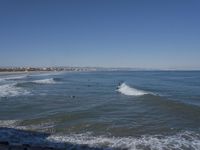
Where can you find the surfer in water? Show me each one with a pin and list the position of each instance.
(120, 83)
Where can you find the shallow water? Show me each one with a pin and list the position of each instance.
(118, 109)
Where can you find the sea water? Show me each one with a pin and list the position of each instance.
(103, 109)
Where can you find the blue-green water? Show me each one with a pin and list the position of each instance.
(115, 109)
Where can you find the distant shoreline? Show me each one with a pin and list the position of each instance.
(20, 70)
(44, 69)
(24, 72)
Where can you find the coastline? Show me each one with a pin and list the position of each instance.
(25, 72)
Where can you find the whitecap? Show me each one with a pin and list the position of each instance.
(182, 140)
(45, 81)
(13, 77)
(7, 78)
(127, 90)
(10, 90)
(47, 74)
(43, 126)
(8, 123)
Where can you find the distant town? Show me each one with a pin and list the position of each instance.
(31, 69)
(50, 69)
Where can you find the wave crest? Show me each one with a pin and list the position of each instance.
(45, 81)
(127, 90)
(13, 77)
(8, 123)
(10, 90)
(182, 140)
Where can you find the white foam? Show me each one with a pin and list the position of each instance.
(45, 81)
(13, 77)
(9, 90)
(43, 126)
(127, 90)
(47, 74)
(8, 123)
(185, 140)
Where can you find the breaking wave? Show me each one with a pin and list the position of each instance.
(127, 90)
(45, 81)
(46, 74)
(184, 140)
(18, 124)
(181, 141)
(8, 123)
(10, 90)
(13, 77)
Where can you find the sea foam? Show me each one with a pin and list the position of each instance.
(10, 90)
(45, 81)
(127, 90)
(13, 77)
(182, 140)
(16, 77)
(7, 123)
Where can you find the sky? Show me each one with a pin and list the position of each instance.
(151, 34)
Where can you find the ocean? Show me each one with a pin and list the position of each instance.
(157, 110)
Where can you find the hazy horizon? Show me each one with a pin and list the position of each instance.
(112, 34)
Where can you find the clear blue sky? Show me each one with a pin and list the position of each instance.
(108, 33)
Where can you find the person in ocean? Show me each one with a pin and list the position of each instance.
(120, 82)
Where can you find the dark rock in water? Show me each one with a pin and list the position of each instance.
(35, 148)
(26, 147)
(16, 147)
(4, 143)
(43, 148)
(84, 146)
